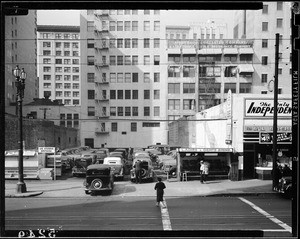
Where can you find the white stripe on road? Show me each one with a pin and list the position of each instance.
(267, 215)
(165, 217)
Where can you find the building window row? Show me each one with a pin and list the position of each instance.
(60, 35)
(62, 69)
(133, 111)
(187, 104)
(129, 77)
(133, 94)
(133, 12)
(69, 120)
(131, 42)
(130, 25)
(60, 53)
(132, 60)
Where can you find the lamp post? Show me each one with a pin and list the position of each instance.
(20, 84)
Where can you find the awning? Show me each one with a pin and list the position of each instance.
(189, 51)
(246, 68)
(230, 51)
(174, 51)
(210, 51)
(246, 51)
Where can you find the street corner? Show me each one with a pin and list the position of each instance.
(23, 195)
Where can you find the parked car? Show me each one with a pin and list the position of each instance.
(123, 151)
(99, 177)
(147, 169)
(101, 154)
(117, 166)
(80, 166)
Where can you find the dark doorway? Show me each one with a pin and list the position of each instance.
(89, 142)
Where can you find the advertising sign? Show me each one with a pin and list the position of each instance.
(264, 108)
(46, 150)
(282, 138)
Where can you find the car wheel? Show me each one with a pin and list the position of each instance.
(87, 192)
(144, 171)
(97, 183)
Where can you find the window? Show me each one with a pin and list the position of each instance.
(264, 26)
(135, 94)
(120, 60)
(135, 60)
(112, 60)
(230, 86)
(120, 94)
(147, 60)
(156, 25)
(113, 111)
(114, 127)
(156, 43)
(188, 88)
(47, 53)
(120, 43)
(264, 92)
(75, 45)
(128, 60)
(245, 88)
(279, 6)
(127, 111)
(279, 71)
(279, 22)
(66, 53)
(134, 25)
(230, 58)
(264, 43)
(246, 58)
(133, 127)
(120, 78)
(112, 43)
(120, 12)
(127, 26)
(75, 77)
(58, 69)
(47, 85)
(174, 58)
(264, 78)
(188, 104)
(146, 111)
(134, 43)
(58, 77)
(91, 111)
(156, 77)
(135, 77)
(230, 71)
(174, 71)
(173, 104)
(58, 61)
(112, 25)
(174, 88)
(47, 44)
(156, 12)
(112, 77)
(190, 59)
(188, 71)
(75, 61)
(156, 60)
(127, 77)
(112, 94)
(67, 69)
(146, 77)
(127, 94)
(134, 12)
(265, 9)
(156, 94)
(127, 43)
(90, 77)
(146, 42)
(58, 53)
(91, 94)
(156, 111)
(67, 77)
(90, 60)
(90, 43)
(135, 111)
(119, 26)
(47, 68)
(47, 61)
(146, 26)
(66, 44)
(264, 60)
(120, 111)
(150, 124)
(146, 94)
(146, 12)
(67, 85)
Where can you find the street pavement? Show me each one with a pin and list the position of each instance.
(73, 187)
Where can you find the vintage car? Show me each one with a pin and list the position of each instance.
(285, 186)
(147, 169)
(99, 177)
(80, 165)
(123, 151)
(101, 154)
(117, 166)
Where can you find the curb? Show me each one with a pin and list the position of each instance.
(23, 195)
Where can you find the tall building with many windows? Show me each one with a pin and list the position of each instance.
(20, 49)
(124, 92)
(262, 26)
(59, 70)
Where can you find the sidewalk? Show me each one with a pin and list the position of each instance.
(73, 187)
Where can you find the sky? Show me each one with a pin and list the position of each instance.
(71, 17)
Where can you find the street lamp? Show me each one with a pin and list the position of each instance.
(20, 84)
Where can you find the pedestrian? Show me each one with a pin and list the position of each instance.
(204, 169)
(159, 187)
(277, 175)
(138, 171)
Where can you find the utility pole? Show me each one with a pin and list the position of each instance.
(275, 109)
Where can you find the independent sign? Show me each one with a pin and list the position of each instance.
(46, 150)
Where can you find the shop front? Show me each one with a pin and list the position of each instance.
(258, 137)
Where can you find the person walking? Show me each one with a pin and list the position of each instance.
(201, 171)
(138, 169)
(159, 187)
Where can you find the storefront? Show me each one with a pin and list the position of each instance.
(258, 136)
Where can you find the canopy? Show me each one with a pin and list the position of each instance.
(246, 68)
(246, 50)
(230, 51)
(210, 51)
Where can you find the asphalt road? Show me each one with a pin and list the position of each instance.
(269, 215)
